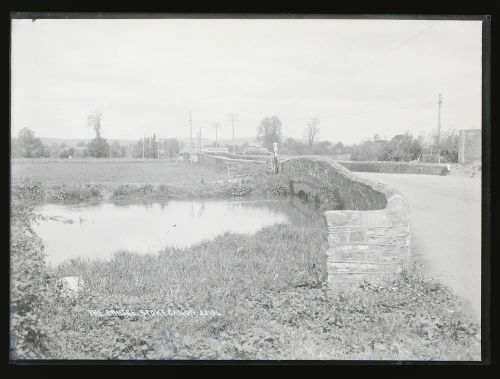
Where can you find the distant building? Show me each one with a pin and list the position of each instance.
(469, 146)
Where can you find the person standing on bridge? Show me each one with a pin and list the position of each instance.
(275, 157)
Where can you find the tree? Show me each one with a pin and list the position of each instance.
(66, 152)
(448, 144)
(311, 131)
(269, 132)
(368, 151)
(322, 148)
(94, 121)
(171, 147)
(402, 147)
(28, 146)
(339, 148)
(294, 147)
(117, 151)
(98, 147)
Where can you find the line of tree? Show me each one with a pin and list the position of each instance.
(148, 147)
(292, 146)
(26, 145)
(406, 147)
(401, 147)
(269, 131)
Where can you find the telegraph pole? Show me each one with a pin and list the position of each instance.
(216, 125)
(440, 101)
(143, 138)
(232, 122)
(158, 147)
(190, 132)
(199, 141)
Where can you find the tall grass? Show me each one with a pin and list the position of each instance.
(266, 294)
(83, 193)
(272, 302)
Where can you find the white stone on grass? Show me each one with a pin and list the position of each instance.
(70, 286)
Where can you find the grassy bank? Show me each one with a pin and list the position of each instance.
(204, 187)
(261, 296)
(267, 303)
(110, 172)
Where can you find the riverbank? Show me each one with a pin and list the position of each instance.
(63, 181)
(232, 298)
(260, 296)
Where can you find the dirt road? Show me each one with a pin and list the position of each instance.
(445, 216)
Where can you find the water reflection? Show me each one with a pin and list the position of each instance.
(98, 230)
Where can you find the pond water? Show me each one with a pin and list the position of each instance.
(99, 230)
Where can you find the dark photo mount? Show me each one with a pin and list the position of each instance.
(133, 164)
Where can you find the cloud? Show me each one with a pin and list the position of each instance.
(357, 77)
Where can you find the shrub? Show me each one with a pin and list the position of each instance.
(134, 191)
(26, 191)
(31, 297)
(238, 190)
(83, 193)
(277, 185)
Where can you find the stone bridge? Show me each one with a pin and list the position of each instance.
(368, 222)
(236, 167)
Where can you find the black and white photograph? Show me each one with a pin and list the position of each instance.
(245, 188)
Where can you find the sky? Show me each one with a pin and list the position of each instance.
(358, 77)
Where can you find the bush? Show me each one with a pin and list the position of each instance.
(128, 190)
(28, 192)
(402, 147)
(31, 298)
(277, 185)
(83, 193)
(238, 190)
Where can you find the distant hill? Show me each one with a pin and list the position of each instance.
(208, 141)
(72, 142)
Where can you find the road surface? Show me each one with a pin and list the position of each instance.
(445, 214)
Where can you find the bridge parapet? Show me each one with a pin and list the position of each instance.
(234, 167)
(368, 222)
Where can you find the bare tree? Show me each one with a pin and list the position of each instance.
(98, 147)
(312, 131)
(94, 121)
(426, 141)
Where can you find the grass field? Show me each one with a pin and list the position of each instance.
(260, 296)
(110, 172)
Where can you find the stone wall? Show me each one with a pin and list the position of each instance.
(469, 146)
(239, 156)
(396, 167)
(234, 167)
(368, 224)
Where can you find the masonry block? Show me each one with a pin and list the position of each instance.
(336, 238)
(342, 218)
(357, 236)
(349, 256)
(369, 238)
